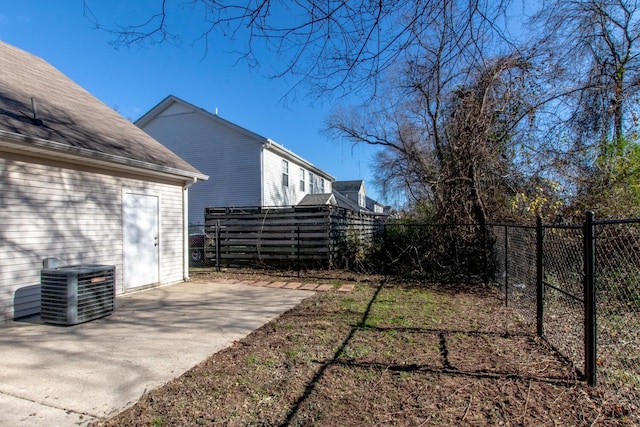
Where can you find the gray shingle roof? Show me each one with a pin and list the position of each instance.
(344, 202)
(70, 118)
(319, 199)
(347, 186)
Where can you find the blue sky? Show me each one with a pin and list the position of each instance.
(134, 79)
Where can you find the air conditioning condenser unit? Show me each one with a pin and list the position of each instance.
(76, 293)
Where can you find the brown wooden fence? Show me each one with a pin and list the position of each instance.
(276, 236)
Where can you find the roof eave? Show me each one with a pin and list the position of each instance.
(290, 155)
(154, 111)
(41, 147)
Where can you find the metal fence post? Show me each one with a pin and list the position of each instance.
(385, 251)
(485, 255)
(506, 266)
(589, 299)
(539, 278)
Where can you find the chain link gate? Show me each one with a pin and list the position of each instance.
(587, 298)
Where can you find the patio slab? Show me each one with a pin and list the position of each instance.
(74, 375)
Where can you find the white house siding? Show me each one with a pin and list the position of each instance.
(230, 157)
(327, 186)
(171, 231)
(362, 197)
(72, 213)
(275, 194)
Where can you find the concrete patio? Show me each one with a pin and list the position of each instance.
(73, 375)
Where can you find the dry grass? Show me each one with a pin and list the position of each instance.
(385, 354)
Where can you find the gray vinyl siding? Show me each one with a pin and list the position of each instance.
(231, 158)
(72, 213)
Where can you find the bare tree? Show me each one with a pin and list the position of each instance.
(591, 46)
(477, 161)
(405, 163)
(329, 45)
(444, 88)
(447, 118)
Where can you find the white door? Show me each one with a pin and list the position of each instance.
(141, 240)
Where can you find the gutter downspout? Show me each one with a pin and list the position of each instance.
(266, 145)
(185, 229)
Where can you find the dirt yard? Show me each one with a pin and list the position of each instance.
(384, 354)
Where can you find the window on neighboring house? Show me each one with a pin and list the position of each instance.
(285, 173)
(302, 174)
(311, 183)
(322, 185)
(361, 199)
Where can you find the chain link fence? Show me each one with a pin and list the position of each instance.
(515, 268)
(408, 250)
(580, 284)
(433, 252)
(563, 292)
(197, 243)
(617, 285)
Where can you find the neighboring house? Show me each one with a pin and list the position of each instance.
(374, 206)
(353, 195)
(80, 183)
(352, 190)
(349, 195)
(245, 169)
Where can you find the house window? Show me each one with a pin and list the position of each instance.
(322, 185)
(361, 199)
(311, 178)
(302, 179)
(285, 173)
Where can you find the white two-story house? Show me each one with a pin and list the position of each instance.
(244, 168)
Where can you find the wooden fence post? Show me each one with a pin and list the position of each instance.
(299, 263)
(217, 234)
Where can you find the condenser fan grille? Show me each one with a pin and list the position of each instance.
(77, 293)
